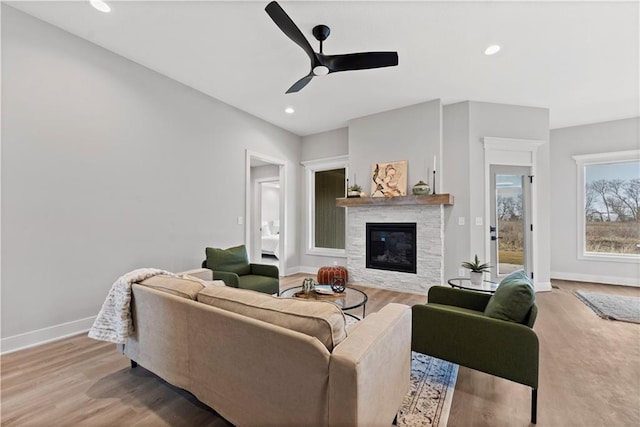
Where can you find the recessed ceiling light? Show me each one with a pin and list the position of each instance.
(289, 110)
(492, 50)
(100, 5)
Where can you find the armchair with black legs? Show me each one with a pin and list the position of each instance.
(492, 334)
(232, 266)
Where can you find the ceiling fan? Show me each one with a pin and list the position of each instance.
(322, 64)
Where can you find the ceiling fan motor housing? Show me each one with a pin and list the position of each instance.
(321, 32)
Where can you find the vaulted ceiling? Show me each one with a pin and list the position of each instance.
(579, 59)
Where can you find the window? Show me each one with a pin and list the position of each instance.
(326, 223)
(609, 205)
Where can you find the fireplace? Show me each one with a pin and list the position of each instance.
(391, 246)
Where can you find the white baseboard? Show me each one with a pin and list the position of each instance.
(45, 335)
(302, 269)
(543, 286)
(590, 278)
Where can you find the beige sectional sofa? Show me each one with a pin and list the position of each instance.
(259, 360)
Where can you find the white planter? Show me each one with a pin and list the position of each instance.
(476, 278)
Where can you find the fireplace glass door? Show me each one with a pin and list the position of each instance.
(391, 246)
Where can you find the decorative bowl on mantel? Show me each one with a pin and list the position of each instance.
(421, 188)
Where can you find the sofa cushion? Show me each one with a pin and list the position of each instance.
(233, 260)
(323, 320)
(179, 286)
(204, 283)
(513, 298)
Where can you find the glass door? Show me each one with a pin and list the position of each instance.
(510, 227)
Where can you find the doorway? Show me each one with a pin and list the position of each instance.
(269, 219)
(265, 224)
(510, 220)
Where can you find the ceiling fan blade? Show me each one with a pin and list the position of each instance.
(359, 61)
(289, 28)
(301, 83)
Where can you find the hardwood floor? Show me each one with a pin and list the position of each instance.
(589, 376)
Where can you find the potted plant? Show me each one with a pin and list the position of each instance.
(354, 190)
(477, 268)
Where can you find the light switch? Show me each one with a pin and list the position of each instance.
(240, 220)
(478, 220)
(460, 220)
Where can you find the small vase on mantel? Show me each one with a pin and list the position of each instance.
(421, 188)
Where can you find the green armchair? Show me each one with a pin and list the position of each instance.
(452, 326)
(232, 266)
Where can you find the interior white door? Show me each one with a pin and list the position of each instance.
(510, 220)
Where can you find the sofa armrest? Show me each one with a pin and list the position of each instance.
(200, 273)
(369, 371)
(230, 279)
(458, 297)
(265, 270)
(505, 349)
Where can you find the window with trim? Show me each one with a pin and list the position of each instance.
(326, 223)
(609, 205)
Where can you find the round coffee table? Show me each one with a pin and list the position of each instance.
(465, 283)
(353, 298)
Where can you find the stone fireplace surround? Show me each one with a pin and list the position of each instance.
(429, 219)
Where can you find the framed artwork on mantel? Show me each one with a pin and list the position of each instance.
(389, 179)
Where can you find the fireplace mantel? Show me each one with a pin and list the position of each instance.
(432, 199)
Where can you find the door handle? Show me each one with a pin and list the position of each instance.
(492, 231)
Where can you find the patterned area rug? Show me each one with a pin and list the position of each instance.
(429, 399)
(614, 307)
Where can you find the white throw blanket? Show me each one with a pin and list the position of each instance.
(114, 323)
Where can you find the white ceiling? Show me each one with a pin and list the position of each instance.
(579, 59)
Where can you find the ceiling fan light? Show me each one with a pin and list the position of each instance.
(492, 50)
(100, 5)
(320, 70)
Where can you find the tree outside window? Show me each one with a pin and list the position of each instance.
(611, 208)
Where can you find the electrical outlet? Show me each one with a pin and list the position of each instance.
(478, 220)
(460, 220)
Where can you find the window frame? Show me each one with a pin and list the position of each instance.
(311, 167)
(582, 161)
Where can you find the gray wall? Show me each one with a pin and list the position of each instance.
(455, 179)
(411, 133)
(619, 135)
(107, 167)
(464, 175)
(324, 145)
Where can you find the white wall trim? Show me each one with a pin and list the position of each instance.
(304, 269)
(543, 286)
(614, 156)
(45, 335)
(325, 163)
(504, 151)
(590, 278)
(511, 144)
(284, 225)
(583, 160)
(311, 167)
